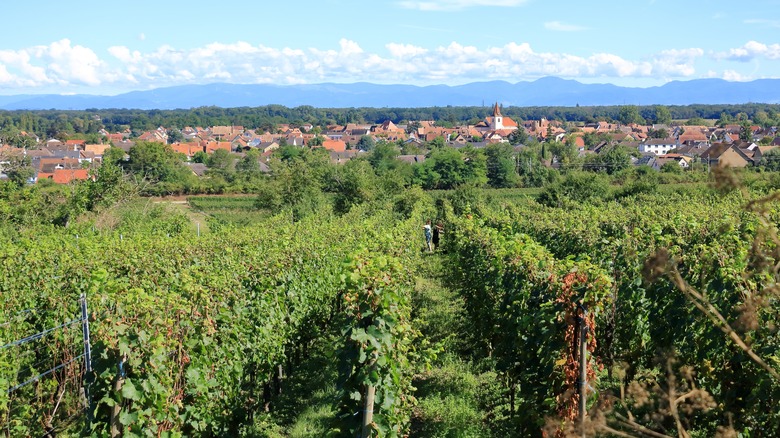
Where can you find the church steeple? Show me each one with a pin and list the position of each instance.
(497, 122)
(496, 110)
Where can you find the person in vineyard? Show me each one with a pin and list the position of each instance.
(428, 234)
(437, 230)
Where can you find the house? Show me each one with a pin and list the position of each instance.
(212, 146)
(459, 139)
(693, 149)
(53, 142)
(97, 149)
(188, 149)
(158, 135)
(64, 176)
(657, 162)
(125, 145)
(621, 137)
(116, 138)
(389, 130)
(659, 146)
(75, 145)
(199, 169)
(295, 140)
(49, 165)
(334, 145)
(268, 146)
(225, 132)
(692, 135)
(341, 157)
(726, 155)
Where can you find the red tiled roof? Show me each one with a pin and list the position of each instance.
(334, 145)
(214, 145)
(65, 176)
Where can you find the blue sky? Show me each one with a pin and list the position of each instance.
(99, 47)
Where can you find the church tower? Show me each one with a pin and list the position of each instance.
(497, 122)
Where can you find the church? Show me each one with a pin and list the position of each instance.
(497, 123)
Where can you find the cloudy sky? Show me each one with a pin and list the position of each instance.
(100, 47)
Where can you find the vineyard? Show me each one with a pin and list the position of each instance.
(647, 315)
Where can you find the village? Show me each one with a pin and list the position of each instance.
(734, 145)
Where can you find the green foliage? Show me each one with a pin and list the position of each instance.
(452, 402)
(19, 170)
(200, 157)
(630, 114)
(412, 202)
(771, 160)
(248, 167)
(611, 160)
(745, 132)
(518, 136)
(695, 121)
(517, 293)
(501, 165)
(157, 162)
(220, 160)
(356, 183)
(383, 157)
(662, 116)
(651, 315)
(447, 168)
(378, 337)
(583, 187)
(366, 143)
(658, 133)
(644, 182)
(671, 167)
(593, 139)
(199, 325)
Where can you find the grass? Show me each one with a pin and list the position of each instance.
(456, 398)
(225, 202)
(237, 210)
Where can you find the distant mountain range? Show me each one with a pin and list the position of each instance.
(548, 91)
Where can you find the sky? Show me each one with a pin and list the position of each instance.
(100, 47)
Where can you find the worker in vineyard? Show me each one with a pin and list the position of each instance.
(437, 230)
(428, 234)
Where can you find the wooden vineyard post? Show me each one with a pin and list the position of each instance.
(368, 411)
(87, 358)
(583, 368)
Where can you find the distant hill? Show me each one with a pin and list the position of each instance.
(547, 91)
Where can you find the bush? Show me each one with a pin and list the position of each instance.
(577, 187)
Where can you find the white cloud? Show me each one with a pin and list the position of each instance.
(563, 27)
(731, 75)
(58, 63)
(66, 67)
(676, 63)
(750, 51)
(405, 50)
(456, 5)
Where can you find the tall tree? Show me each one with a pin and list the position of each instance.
(746, 132)
(501, 165)
(630, 114)
(156, 162)
(662, 115)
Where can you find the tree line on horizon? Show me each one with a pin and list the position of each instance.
(62, 123)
